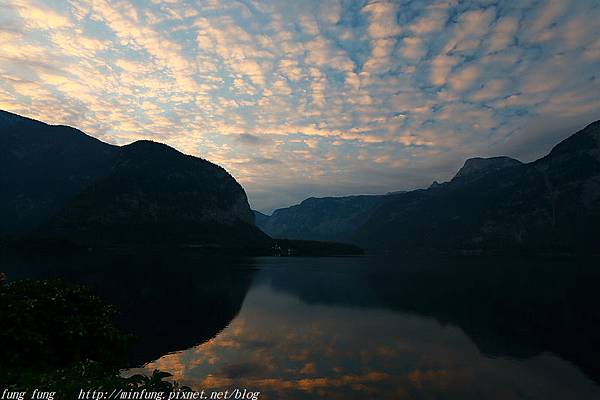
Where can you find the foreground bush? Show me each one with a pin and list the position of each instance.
(60, 337)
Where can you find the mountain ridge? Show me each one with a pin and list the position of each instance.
(62, 184)
(548, 205)
(477, 166)
(496, 204)
(324, 218)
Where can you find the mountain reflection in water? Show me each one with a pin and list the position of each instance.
(168, 302)
(370, 327)
(374, 328)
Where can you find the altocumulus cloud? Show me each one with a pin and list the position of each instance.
(346, 96)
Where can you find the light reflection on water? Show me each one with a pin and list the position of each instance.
(328, 329)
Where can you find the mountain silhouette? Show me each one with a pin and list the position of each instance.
(499, 205)
(42, 167)
(496, 204)
(61, 184)
(476, 167)
(327, 218)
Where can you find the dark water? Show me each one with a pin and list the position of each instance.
(365, 328)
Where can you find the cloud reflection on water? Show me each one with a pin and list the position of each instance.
(288, 349)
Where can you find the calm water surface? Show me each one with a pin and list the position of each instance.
(373, 328)
(363, 328)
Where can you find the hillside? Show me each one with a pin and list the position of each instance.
(59, 184)
(327, 218)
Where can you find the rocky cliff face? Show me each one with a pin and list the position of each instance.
(550, 205)
(328, 218)
(475, 168)
(67, 185)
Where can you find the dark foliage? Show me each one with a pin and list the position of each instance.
(60, 337)
(44, 318)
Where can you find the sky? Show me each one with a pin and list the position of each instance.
(310, 98)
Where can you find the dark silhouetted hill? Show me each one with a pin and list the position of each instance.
(474, 168)
(58, 184)
(42, 167)
(155, 194)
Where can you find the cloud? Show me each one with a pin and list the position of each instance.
(547, 14)
(309, 25)
(40, 17)
(383, 21)
(322, 52)
(440, 68)
(380, 61)
(123, 20)
(330, 11)
(433, 21)
(413, 47)
(465, 78)
(504, 34)
(470, 27)
(290, 68)
(234, 46)
(246, 138)
(491, 89)
(377, 97)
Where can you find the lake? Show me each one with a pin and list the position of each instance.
(365, 327)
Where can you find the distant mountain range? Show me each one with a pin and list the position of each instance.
(492, 205)
(63, 188)
(329, 218)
